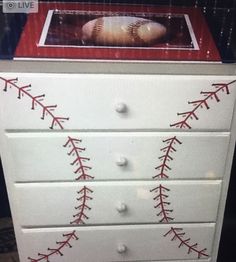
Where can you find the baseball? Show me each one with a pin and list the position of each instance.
(122, 31)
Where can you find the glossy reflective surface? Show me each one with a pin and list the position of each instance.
(26, 36)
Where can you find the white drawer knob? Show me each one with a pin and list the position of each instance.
(121, 248)
(121, 207)
(121, 108)
(121, 161)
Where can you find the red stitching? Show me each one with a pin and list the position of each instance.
(47, 110)
(190, 115)
(161, 203)
(56, 251)
(75, 151)
(202, 103)
(160, 198)
(84, 197)
(167, 150)
(178, 235)
(82, 170)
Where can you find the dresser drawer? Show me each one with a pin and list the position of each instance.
(116, 156)
(102, 102)
(116, 202)
(105, 244)
(98, 132)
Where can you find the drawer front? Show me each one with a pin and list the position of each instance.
(116, 202)
(116, 156)
(104, 244)
(117, 101)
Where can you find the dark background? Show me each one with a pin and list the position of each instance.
(221, 16)
(4, 205)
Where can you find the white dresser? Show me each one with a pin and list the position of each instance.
(117, 162)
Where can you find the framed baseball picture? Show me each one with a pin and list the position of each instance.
(117, 32)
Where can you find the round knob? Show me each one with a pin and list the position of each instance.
(121, 248)
(121, 161)
(121, 207)
(121, 108)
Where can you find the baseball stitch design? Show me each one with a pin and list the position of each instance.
(202, 103)
(84, 197)
(47, 110)
(161, 195)
(176, 231)
(168, 149)
(57, 251)
(82, 169)
(133, 31)
(178, 235)
(161, 203)
(97, 28)
(223, 87)
(84, 193)
(73, 144)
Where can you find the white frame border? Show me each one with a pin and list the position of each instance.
(49, 18)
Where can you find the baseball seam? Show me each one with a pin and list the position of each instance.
(81, 169)
(97, 28)
(168, 149)
(71, 142)
(57, 251)
(133, 28)
(57, 121)
(84, 197)
(46, 110)
(202, 103)
(178, 233)
(161, 199)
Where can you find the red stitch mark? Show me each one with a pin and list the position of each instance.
(167, 150)
(161, 203)
(84, 194)
(85, 191)
(72, 143)
(79, 160)
(202, 103)
(178, 235)
(56, 251)
(47, 110)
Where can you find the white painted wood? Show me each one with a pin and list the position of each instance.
(225, 185)
(74, 66)
(52, 204)
(152, 101)
(90, 102)
(42, 157)
(99, 244)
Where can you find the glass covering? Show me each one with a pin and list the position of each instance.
(190, 30)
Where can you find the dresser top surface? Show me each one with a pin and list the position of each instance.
(112, 36)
